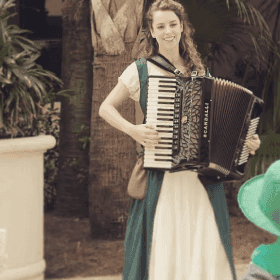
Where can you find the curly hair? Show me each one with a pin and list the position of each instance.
(187, 47)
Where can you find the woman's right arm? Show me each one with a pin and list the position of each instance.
(143, 134)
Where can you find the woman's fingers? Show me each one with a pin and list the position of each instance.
(150, 143)
(253, 143)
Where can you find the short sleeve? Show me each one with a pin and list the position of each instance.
(130, 78)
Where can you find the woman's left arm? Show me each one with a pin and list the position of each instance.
(254, 143)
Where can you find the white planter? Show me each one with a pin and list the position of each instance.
(21, 205)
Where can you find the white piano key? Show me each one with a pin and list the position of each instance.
(158, 165)
(163, 119)
(155, 112)
(161, 91)
(166, 135)
(163, 106)
(155, 87)
(168, 97)
(159, 81)
(157, 100)
(157, 123)
(158, 151)
(156, 161)
(154, 120)
(157, 115)
(157, 158)
(154, 108)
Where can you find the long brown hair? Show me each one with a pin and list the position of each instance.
(187, 48)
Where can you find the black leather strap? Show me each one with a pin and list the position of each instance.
(165, 64)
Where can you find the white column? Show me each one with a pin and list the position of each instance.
(21, 205)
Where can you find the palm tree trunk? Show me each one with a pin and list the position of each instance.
(112, 153)
(77, 56)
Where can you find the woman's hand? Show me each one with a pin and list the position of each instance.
(145, 134)
(253, 143)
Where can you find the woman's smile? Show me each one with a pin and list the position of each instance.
(169, 38)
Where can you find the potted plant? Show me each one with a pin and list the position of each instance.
(25, 88)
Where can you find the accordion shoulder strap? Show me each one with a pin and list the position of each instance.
(165, 64)
(143, 77)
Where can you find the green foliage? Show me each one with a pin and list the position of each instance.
(268, 152)
(232, 26)
(268, 73)
(51, 156)
(51, 164)
(25, 87)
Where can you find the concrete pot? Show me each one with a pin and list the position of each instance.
(21, 206)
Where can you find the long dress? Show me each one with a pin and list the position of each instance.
(173, 234)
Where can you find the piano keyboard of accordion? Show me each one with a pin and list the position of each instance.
(203, 123)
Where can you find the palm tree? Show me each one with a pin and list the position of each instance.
(115, 26)
(77, 53)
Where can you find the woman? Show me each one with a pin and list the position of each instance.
(172, 234)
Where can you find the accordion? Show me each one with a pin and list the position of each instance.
(203, 123)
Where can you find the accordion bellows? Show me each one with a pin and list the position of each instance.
(203, 123)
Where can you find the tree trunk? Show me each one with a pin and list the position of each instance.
(112, 153)
(77, 72)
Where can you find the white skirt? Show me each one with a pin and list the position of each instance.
(186, 244)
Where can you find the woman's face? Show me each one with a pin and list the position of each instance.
(167, 29)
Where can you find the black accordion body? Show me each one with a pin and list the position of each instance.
(203, 123)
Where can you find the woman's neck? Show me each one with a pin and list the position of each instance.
(173, 56)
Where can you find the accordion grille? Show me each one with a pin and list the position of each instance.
(230, 109)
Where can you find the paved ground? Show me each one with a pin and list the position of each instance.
(240, 269)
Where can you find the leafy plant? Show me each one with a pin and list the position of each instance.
(25, 87)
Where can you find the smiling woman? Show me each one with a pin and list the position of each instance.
(180, 230)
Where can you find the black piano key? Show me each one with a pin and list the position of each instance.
(163, 90)
(165, 131)
(166, 86)
(162, 119)
(165, 109)
(164, 114)
(159, 102)
(166, 97)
